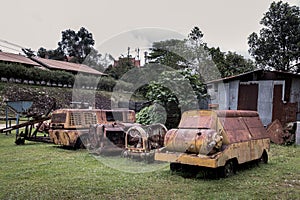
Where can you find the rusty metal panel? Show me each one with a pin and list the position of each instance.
(256, 128)
(241, 125)
(235, 129)
(236, 113)
(284, 112)
(198, 119)
(181, 139)
(276, 133)
(248, 96)
(277, 103)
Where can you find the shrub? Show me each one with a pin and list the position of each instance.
(151, 115)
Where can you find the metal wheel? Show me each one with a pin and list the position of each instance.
(228, 170)
(264, 158)
(175, 167)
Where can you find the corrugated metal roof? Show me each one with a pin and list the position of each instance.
(16, 58)
(67, 66)
(257, 71)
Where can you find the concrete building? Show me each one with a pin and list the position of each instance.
(126, 60)
(274, 94)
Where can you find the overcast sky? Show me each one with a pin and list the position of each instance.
(225, 23)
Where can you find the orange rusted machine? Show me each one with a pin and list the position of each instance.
(215, 139)
(106, 132)
(131, 140)
(70, 127)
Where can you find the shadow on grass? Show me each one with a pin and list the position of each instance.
(69, 148)
(195, 172)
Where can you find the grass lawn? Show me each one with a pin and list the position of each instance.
(44, 171)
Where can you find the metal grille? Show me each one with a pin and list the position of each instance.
(90, 118)
(75, 119)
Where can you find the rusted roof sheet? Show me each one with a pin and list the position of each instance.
(236, 113)
(236, 130)
(197, 119)
(256, 128)
(242, 125)
(67, 66)
(16, 58)
(276, 132)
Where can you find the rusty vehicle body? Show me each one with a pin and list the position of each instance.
(141, 142)
(70, 127)
(107, 132)
(215, 139)
(131, 140)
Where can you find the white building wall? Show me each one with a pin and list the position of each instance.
(223, 96)
(265, 101)
(295, 95)
(233, 94)
(295, 92)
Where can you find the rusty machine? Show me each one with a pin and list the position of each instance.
(105, 132)
(132, 140)
(215, 140)
(70, 127)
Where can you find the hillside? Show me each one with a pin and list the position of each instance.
(43, 97)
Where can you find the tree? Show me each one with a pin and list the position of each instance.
(76, 45)
(123, 65)
(152, 114)
(193, 53)
(93, 60)
(230, 63)
(56, 54)
(277, 46)
(177, 91)
(168, 53)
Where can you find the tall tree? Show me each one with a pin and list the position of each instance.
(55, 54)
(93, 59)
(169, 53)
(230, 63)
(277, 46)
(77, 45)
(193, 53)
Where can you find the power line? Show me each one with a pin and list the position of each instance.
(10, 48)
(12, 44)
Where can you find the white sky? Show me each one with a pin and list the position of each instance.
(227, 24)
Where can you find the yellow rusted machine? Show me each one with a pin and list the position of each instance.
(110, 132)
(216, 139)
(141, 142)
(70, 127)
(131, 140)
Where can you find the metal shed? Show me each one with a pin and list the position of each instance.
(274, 94)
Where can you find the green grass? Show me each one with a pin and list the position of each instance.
(44, 171)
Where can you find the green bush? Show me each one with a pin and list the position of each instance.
(151, 115)
(22, 73)
(106, 83)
